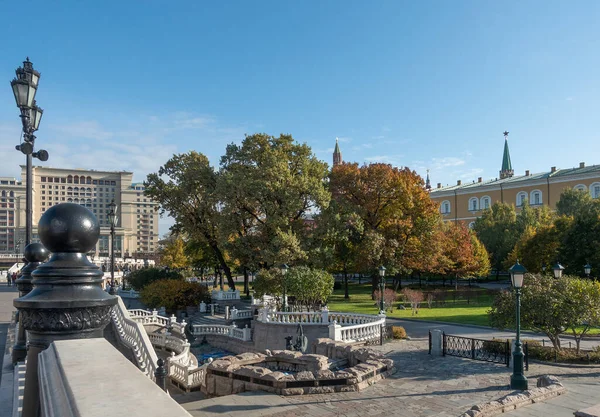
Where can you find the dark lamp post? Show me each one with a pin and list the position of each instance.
(284, 269)
(112, 219)
(381, 289)
(517, 379)
(24, 88)
(557, 269)
(587, 269)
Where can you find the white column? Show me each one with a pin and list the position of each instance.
(335, 331)
(325, 315)
(436, 342)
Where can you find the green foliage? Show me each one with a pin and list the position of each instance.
(550, 306)
(268, 282)
(398, 332)
(496, 229)
(142, 277)
(310, 287)
(173, 294)
(574, 202)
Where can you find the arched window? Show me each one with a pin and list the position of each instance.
(70, 179)
(485, 202)
(473, 204)
(3, 193)
(535, 198)
(76, 179)
(12, 194)
(521, 198)
(445, 207)
(595, 190)
(69, 200)
(580, 187)
(88, 180)
(76, 201)
(82, 179)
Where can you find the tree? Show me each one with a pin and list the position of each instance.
(496, 229)
(397, 213)
(173, 294)
(140, 278)
(389, 298)
(186, 188)
(543, 307)
(414, 297)
(310, 287)
(173, 254)
(581, 307)
(269, 185)
(573, 202)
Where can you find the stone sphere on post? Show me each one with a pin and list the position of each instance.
(69, 228)
(36, 252)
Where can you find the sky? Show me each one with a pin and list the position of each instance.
(423, 84)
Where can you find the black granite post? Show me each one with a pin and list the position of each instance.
(35, 254)
(67, 300)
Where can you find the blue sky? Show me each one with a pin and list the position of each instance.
(424, 84)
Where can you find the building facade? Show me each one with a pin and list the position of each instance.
(136, 234)
(465, 202)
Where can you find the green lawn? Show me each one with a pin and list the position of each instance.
(455, 309)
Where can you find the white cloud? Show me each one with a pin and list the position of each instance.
(569, 99)
(395, 160)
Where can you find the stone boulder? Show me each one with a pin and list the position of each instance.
(253, 371)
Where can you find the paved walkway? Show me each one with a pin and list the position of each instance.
(422, 386)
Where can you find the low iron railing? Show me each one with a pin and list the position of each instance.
(477, 349)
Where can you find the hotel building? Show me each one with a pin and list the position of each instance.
(136, 234)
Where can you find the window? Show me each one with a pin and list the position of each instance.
(521, 198)
(536, 197)
(473, 204)
(485, 202)
(43, 179)
(595, 190)
(580, 187)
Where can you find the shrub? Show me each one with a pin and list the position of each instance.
(495, 346)
(398, 332)
(389, 298)
(143, 277)
(173, 294)
(430, 298)
(414, 297)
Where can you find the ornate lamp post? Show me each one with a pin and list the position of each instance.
(517, 379)
(587, 269)
(24, 87)
(112, 219)
(381, 289)
(557, 270)
(284, 269)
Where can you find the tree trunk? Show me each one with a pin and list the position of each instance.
(246, 282)
(497, 274)
(346, 294)
(222, 263)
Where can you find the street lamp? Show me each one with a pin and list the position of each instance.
(284, 269)
(24, 87)
(557, 269)
(381, 289)
(517, 379)
(587, 269)
(112, 219)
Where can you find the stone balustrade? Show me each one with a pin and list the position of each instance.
(220, 295)
(243, 334)
(128, 294)
(316, 317)
(133, 335)
(357, 332)
(236, 314)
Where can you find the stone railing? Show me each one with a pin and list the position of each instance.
(315, 317)
(128, 294)
(358, 332)
(225, 295)
(244, 334)
(133, 335)
(236, 314)
(154, 317)
(68, 390)
(264, 300)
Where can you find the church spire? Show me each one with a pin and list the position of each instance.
(506, 171)
(428, 182)
(337, 155)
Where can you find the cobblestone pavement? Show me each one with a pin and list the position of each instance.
(422, 386)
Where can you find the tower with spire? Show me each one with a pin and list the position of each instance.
(428, 182)
(507, 170)
(337, 155)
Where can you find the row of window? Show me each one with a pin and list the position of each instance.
(77, 180)
(534, 198)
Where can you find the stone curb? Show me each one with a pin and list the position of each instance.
(548, 386)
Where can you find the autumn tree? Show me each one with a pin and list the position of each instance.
(173, 254)
(173, 294)
(396, 211)
(186, 188)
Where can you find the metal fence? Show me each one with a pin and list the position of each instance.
(477, 349)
